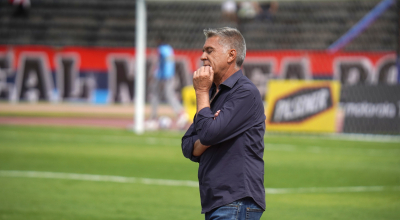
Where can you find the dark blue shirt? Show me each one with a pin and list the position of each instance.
(233, 167)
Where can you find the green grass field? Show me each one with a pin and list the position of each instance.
(310, 169)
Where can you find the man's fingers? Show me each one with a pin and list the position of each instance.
(202, 69)
(203, 78)
(216, 114)
(207, 69)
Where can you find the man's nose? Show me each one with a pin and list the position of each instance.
(203, 56)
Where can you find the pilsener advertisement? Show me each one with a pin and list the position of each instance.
(303, 106)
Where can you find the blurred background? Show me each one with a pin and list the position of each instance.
(328, 72)
(84, 51)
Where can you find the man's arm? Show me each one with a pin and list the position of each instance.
(188, 144)
(240, 112)
(191, 145)
(202, 81)
(198, 148)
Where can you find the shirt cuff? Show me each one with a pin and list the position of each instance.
(192, 157)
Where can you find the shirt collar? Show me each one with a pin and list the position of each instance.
(230, 82)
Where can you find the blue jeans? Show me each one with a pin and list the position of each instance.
(242, 209)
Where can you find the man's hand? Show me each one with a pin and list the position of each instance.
(216, 114)
(203, 79)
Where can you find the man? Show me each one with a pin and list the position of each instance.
(227, 134)
(164, 79)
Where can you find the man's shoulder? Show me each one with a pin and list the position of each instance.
(246, 84)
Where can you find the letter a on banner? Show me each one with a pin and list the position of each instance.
(33, 80)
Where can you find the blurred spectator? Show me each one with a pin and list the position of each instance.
(229, 9)
(267, 10)
(164, 81)
(21, 7)
(248, 10)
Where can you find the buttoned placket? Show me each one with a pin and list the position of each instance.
(215, 95)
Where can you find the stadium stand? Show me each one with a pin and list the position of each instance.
(296, 25)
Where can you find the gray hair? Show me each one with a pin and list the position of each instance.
(230, 38)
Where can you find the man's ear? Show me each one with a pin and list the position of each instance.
(231, 55)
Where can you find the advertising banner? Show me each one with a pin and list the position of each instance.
(107, 75)
(302, 106)
(371, 109)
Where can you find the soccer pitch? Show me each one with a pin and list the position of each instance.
(87, 173)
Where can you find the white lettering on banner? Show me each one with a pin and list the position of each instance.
(369, 110)
(259, 71)
(6, 70)
(33, 80)
(302, 105)
(386, 70)
(121, 70)
(70, 85)
(296, 68)
(121, 77)
(353, 70)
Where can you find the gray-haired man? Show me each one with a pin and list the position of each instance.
(227, 134)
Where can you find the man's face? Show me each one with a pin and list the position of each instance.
(214, 55)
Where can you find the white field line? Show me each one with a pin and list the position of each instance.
(162, 141)
(188, 183)
(331, 189)
(322, 150)
(176, 140)
(89, 138)
(342, 137)
(100, 178)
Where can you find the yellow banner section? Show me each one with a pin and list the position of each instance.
(189, 101)
(302, 106)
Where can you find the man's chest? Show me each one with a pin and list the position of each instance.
(218, 99)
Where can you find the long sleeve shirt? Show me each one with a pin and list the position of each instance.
(232, 167)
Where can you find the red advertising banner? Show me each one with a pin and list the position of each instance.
(101, 75)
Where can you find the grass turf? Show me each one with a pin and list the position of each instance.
(290, 162)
